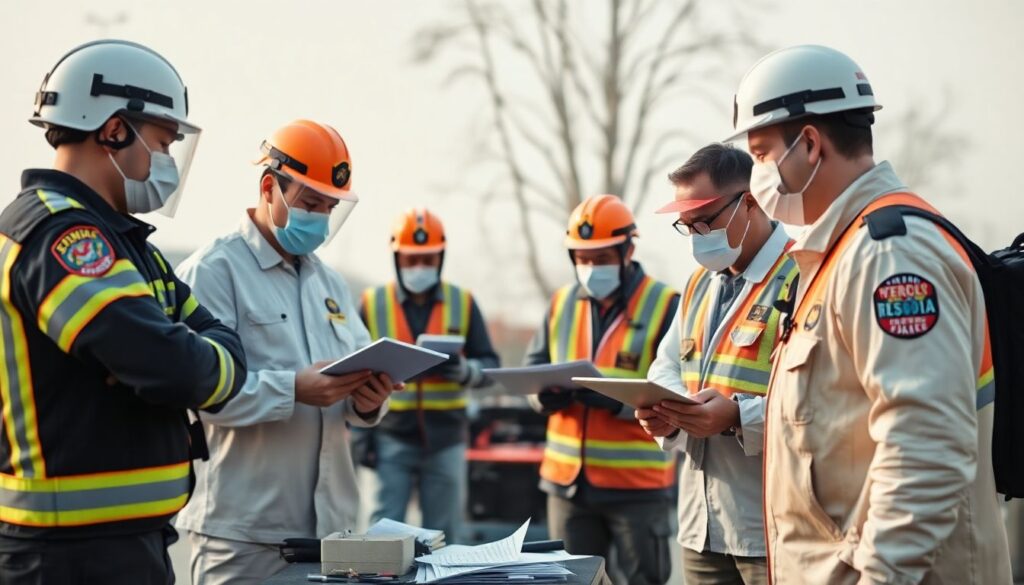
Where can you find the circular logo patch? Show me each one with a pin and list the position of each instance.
(906, 305)
(84, 251)
(586, 230)
(420, 236)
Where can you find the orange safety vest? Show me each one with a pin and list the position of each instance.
(614, 453)
(741, 361)
(385, 318)
(811, 304)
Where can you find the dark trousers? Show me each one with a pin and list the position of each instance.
(639, 531)
(709, 568)
(138, 559)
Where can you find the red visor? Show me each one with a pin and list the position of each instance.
(684, 205)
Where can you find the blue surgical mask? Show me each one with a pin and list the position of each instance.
(304, 232)
(599, 281)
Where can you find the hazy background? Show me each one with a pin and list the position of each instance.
(252, 66)
(422, 132)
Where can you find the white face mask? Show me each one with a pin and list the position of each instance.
(599, 281)
(153, 193)
(419, 279)
(712, 251)
(766, 184)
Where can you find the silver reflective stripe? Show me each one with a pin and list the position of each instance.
(986, 395)
(626, 454)
(11, 369)
(56, 202)
(737, 372)
(82, 294)
(380, 299)
(94, 498)
(564, 335)
(563, 449)
(643, 317)
(453, 297)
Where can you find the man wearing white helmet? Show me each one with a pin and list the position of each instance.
(879, 413)
(102, 348)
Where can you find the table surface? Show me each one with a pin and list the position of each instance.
(589, 571)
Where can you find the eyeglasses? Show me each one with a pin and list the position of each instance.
(703, 228)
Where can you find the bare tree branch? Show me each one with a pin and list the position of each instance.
(518, 183)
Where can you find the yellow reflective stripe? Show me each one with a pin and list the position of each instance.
(94, 498)
(402, 406)
(742, 385)
(93, 481)
(190, 305)
(627, 341)
(160, 261)
(226, 378)
(94, 515)
(986, 378)
(389, 314)
(562, 457)
(446, 307)
(63, 313)
(563, 439)
(647, 445)
(19, 416)
(56, 202)
(629, 463)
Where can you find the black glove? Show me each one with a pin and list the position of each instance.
(597, 400)
(555, 399)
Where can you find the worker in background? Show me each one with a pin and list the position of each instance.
(608, 482)
(421, 444)
(103, 348)
(280, 464)
(719, 353)
(879, 422)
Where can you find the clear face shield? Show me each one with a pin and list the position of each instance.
(171, 147)
(312, 219)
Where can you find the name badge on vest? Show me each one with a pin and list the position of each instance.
(625, 360)
(454, 331)
(759, 313)
(334, 311)
(686, 347)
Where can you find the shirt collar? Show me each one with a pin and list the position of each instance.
(71, 186)
(767, 256)
(266, 256)
(821, 234)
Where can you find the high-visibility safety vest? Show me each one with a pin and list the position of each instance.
(612, 452)
(741, 361)
(84, 450)
(385, 318)
(812, 299)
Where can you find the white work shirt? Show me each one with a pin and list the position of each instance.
(720, 507)
(278, 469)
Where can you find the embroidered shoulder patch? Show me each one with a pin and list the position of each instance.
(84, 251)
(906, 305)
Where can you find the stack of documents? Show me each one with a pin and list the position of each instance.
(501, 561)
(431, 539)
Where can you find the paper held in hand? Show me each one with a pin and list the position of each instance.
(636, 393)
(449, 344)
(532, 379)
(399, 360)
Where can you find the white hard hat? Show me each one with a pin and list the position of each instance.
(799, 81)
(96, 80)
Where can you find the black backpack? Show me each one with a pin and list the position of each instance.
(1002, 281)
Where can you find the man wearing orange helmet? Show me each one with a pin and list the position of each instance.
(280, 462)
(607, 481)
(424, 435)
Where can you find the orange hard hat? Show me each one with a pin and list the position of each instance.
(600, 221)
(418, 231)
(313, 154)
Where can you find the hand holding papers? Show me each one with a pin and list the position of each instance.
(401, 361)
(636, 393)
(533, 379)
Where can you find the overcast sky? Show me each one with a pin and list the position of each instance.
(252, 66)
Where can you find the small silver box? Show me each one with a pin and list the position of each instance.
(343, 553)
